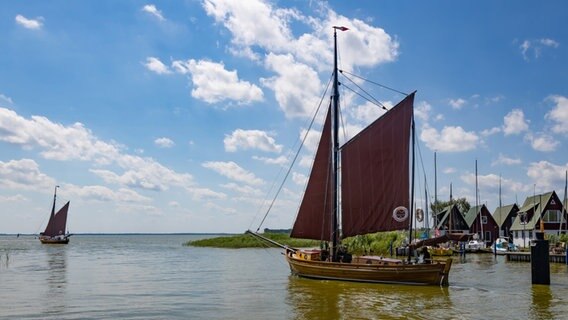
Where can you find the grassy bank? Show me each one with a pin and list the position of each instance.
(248, 241)
(376, 243)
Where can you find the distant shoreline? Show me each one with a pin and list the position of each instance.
(129, 234)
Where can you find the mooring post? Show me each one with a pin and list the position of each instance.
(540, 264)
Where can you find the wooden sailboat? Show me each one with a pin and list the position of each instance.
(375, 187)
(55, 230)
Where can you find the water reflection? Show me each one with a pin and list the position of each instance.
(541, 302)
(317, 299)
(56, 279)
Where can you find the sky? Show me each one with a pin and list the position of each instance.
(184, 116)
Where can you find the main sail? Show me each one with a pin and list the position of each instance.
(375, 173)
(57, 222)
(313, 220)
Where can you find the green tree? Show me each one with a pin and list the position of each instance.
(462, 204)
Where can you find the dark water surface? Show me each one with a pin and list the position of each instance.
(155, 277)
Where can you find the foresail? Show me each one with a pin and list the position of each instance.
(57, 222)
(314, 217)
(375, 173)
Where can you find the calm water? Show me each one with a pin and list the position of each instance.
(155, 277)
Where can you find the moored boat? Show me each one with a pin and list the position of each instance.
(376, 194)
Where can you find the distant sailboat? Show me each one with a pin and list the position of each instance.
(55, 230)
(375, 187)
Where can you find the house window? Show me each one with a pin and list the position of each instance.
(530, 234)
(516, 234)
(487, 236)
(551, 216)
(484, 219)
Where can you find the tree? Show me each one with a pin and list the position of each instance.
(461, 203)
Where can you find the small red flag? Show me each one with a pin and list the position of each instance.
(341, 28)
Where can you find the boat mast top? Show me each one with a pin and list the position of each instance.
(54, 198)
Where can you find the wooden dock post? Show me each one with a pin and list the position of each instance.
(540, 263)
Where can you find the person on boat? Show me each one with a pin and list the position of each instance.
(426, 258)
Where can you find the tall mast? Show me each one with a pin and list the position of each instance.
(477, 204)
(564, 203)
(426, 218)
(54, 198)
(501, 206)
(450, 223)
(435, 191)
(335, 152)
(411, 192)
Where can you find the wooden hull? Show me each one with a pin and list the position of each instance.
(46, 240)
(435, 273)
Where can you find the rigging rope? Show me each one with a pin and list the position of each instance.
(375, 101)
(295, 157)
(375, 83)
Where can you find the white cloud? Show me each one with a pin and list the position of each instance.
(450, 139)
(490, 183)
(24, 174)
(155, 65)
(490, 132)
(212, 83)
(5, 99)
(515, 123)
(559, 114)
(243, 189)
(422, 111)
(250, 139)
(299, 179)
(33, 24)
(547, 175)
(15, 198)
(281, 160)
(145, 173)
(542, 141)
(369, 112)
(525, 46)
(219, 208)
(256, 24)
(457, 103)
(502, 159)
(296, 85)
(151, 9)
(164, 142)
(57, 141)
(549, 42)
(104, 194)
(449, 170)
(205, 193)
(75, 142)
(534, 48)
(234, 172)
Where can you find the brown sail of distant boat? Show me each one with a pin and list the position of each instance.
(376, 195)
(55, 230)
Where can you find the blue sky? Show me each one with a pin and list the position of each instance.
(178, 116)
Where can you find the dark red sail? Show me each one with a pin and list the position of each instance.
(314, 217)
(57, 222)
(375, 173)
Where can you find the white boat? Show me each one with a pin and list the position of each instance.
(474, 245)
(503, 245)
